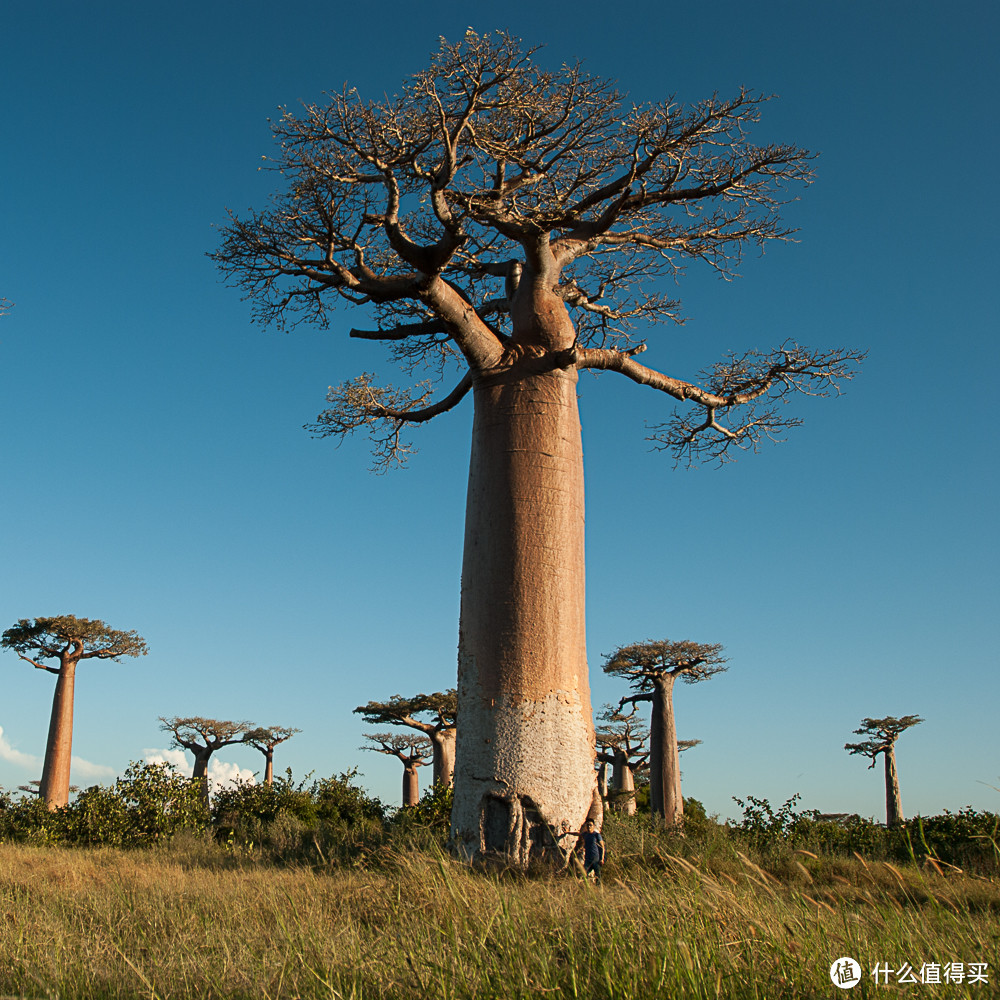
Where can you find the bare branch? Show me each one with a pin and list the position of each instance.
(384, 412)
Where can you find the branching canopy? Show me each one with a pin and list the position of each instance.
(68, 638)
(266, 738)
(486, 182)
(882, 735)
(198, 734)
(411, 749)
(642, 663)
(624, 733)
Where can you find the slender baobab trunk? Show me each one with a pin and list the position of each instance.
(443, 743)
(269, 768)
(665, 797)
(623, 785)
(411, 785)
(893, 802)
(524, 769)
(54, 786)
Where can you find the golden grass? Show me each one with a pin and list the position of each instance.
(190, 922)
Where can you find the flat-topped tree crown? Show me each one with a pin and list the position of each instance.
(640, 663)
(67, 640)
(882, 735)
(516, 223)
(67, 637)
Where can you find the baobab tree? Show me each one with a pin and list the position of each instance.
(514, 221)
(439, 728)
(265, 739)
(622, 743)
(652, 668)
(203, 737)
(67, 640)
(882, 735)
(413, 751)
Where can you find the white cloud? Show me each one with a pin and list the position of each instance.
(85, 769)
(12, 756)
(221, 773)
(174, 756)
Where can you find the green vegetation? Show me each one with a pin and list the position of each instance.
(314, 889)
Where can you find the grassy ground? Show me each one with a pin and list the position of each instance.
(191, 920)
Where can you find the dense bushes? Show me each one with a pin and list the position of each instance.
(148, 804)
(333, 821)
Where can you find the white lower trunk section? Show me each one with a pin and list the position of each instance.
(520, 788)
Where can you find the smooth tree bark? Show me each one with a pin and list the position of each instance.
(440, 716)
(513, 221)
(881, 739)
(412, 751)
(203, 737)
(652, 668)
(67, 640)
(265, 739)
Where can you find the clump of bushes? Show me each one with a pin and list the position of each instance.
(148, 804)
(966, 839)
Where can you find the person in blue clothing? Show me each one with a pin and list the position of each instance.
(593, 849)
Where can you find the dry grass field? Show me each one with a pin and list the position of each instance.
(192, 920)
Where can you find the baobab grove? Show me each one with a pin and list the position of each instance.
(516, 223)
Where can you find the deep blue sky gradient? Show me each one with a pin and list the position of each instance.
(157, 476)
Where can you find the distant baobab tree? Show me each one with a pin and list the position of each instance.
(651, 668)
(882, 735)
(265, 739)
(518, 222)
(441, 707)
(203, 737)
(412, 750)
(622, 742)
(68, 640)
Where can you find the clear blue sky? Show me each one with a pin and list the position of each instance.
(156, 474)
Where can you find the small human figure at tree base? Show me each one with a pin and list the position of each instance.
(593, 850)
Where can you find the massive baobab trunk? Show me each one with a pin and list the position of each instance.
(893, 802)
(54, 787)
(525, 751)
